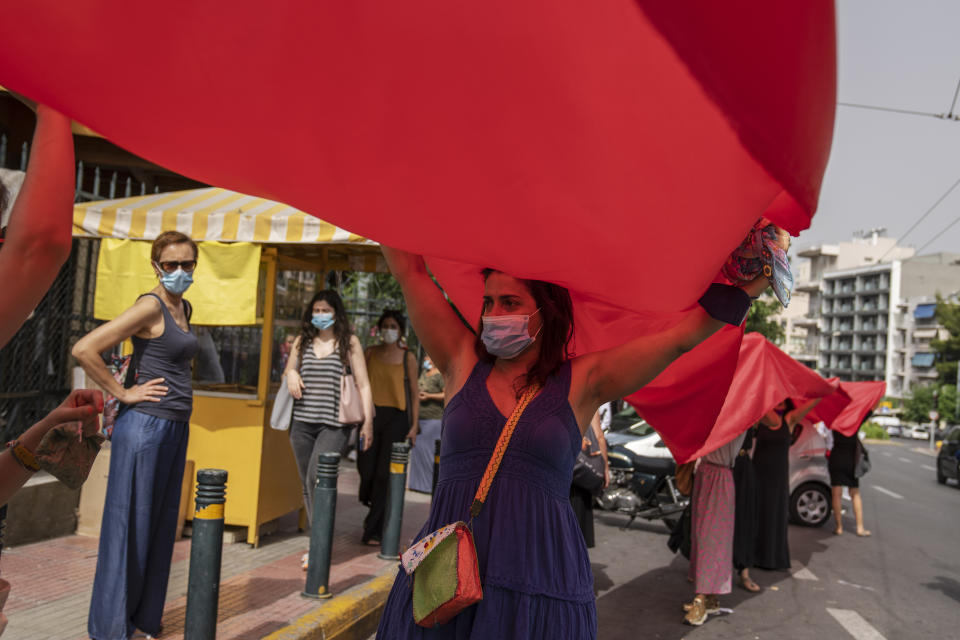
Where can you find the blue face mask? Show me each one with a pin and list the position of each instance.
(507, 336)
(176, 282)
(322, 320)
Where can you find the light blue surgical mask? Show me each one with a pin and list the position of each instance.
(507, 336)
(176, 282)
(322, 320)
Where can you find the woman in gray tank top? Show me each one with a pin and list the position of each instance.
(148, 445)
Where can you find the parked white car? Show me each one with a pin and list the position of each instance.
(891, 423)
(919, 432)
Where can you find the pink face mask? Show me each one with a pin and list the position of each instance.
(507, 336)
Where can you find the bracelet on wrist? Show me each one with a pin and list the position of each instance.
(24, 457)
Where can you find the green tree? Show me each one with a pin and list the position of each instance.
(917, 406)
(762, 318)
(947, 403)
(948, 350)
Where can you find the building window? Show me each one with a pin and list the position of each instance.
(922, 360)
(925, 311)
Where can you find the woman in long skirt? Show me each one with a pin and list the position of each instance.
(711, 548)
(771, 463)
(532, 560)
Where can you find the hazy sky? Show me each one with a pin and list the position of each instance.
(887, 169)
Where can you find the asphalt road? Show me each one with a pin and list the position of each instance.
(902, 582)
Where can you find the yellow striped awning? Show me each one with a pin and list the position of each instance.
(208, 214)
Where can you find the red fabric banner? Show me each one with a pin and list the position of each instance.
(764, 377)
(864, 397)
(622, 149)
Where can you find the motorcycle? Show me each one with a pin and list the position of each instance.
(642, 486)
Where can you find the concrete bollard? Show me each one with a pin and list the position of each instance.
(390, 546)
(321, 530)
(206, 548)
(436, 468)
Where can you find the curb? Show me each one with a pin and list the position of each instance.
(352, 615)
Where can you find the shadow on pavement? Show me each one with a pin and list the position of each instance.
(806, 541)
(652, 602)
(620, 521)
(601, 581)
(947, 586)
(237, 596)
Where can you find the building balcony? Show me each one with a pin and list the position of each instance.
(806, 321)
(808, 287)
(840, 372)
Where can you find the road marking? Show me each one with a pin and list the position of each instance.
(804, 574)
(904, 459)
(928, 467)
(855, 625)
(888, 492)
(855, 586)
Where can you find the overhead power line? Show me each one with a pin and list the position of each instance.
(942, 116)
(943, 231)
(927, 213)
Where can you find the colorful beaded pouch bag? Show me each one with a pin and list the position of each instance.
(443, 564)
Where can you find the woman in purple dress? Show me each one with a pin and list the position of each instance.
(536, 574)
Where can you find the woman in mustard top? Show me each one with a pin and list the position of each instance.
(395, 418)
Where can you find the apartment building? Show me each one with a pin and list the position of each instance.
(916, 328)
(802, 319)
(875, 319)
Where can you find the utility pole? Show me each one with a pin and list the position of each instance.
(934, 414)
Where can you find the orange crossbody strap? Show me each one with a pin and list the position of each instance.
(500, 449)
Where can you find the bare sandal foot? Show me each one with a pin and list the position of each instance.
(838, 531)
(747, 583)
(863, 533)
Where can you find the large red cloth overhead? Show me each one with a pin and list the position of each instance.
(622, 149)
(863, 396)
(764, 377)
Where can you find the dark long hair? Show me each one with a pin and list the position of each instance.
(341, 326)
(556, 310)
(396, 315)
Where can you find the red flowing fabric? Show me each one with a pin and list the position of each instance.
(764, 377)
(622, 149)
(863, 397)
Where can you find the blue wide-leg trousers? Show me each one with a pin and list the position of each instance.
(147, 456)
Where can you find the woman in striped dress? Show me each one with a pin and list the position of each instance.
(319, 357)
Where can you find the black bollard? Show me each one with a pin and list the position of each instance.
(436, 468)
(390, 547)
(321, 529)
(206, 548)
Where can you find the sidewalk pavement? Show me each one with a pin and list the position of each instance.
(259, 588)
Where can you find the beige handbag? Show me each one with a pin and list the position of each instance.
(351, 404)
